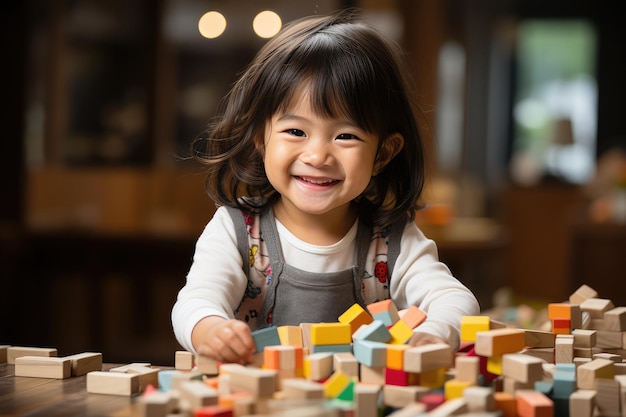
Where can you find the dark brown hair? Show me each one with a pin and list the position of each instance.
(353, 71)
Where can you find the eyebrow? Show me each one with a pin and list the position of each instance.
(295, 117)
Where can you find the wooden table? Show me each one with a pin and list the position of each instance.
(20, 396)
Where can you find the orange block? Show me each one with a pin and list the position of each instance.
(497, 342)
(356, 316)
(413, 316)
(559, 311)
(506, 403)
(532, 403)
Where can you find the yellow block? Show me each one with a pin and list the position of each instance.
(494, 364)
(395, 356)
(356, 316)
(454, 388)
(290, 335)
(400, 333)
(335, 384)
(331, 334)
(433, 379)
(470, 325)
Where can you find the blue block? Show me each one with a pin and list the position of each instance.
(265, 337)
(373, 354)
(376, 331)
(332, 348)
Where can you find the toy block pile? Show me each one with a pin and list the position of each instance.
(363, 366)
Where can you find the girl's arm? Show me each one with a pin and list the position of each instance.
(420, 279)
(202, 316)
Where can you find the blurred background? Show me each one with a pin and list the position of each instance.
(521, 104)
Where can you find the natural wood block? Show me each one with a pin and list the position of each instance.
(479, 399)
(207, 365)
(564, 349)
(545, 354)
(582, 293)
(539, 339)
(194, 394)
(184, 360)
(113, 383)
(522, 367)
(582, 403)
(449, 408)
(615, 319)
(43, 367)
(85, 362)
(607, 339)
(301, 389)
(587, 373)
(318, 366)
(428, 357)
(157, 404)
(3, 353)
(282, 357)
(401, 396)
(467, 368)
(14, 352)
(346, 363)
(366, 399)
(596, 307)
(584, 338)
(372, 374)
(260, 383)
(331, 334)
(290, 335)
(145, 374)
(355, 316)
(499, 341)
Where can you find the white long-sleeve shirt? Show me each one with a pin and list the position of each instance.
(216, 282)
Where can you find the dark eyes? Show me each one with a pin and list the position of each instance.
(300, 133)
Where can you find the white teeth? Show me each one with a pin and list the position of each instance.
(317, 182)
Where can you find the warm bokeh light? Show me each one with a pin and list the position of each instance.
(266, 24)
(212, 24)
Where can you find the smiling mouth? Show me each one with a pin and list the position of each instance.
(317, 181)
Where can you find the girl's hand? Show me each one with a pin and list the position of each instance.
(224, 340)
(420, 339)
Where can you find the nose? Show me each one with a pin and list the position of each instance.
(317, 153)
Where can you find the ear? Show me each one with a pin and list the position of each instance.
(388, 150)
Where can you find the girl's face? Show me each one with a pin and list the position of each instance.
(318, 165)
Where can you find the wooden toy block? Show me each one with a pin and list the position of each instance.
(561, 326)
(571, 312)
(582, 403)
(346, 362)
(452, 407)
(499, 341)
(608, 397)
(538, 339)
(370, 353)
(265, 337)
(306, 336)
(157, 404)
(564, 349)
(606, 339)
(596, 307)
(545, 354)
(195, 394)
(180, 377)
(467, 368)
(400, 333)
(395, 356)
(400, 396)
(432, 399)
(146, 374)
(336, 383)
(318, 366)
(534, 404)
(14, 352)
(127, 367)
(184, 360)
(82, 363)
(282, 357)
(113, 383)
(506, 403)
(583, 293)
(301, 389)
(332, 348)
(564, 380)
(323, 334)
(213, 411)
(207, 365)
(376, 331)
(3, 353)
(522, 367)
(615, 319)
(355, 316)
(385, 311)
(372, 374)
(411, 410)
(366, 399)
(260, 383)
(412, 316)
(428, 357)
(470, 325)
(433, 379)
(607, 355)
(587, 373)
(453, 388)
(165, 379)
(397, 377)
(43, 367)
(290, 335)
(479, 399)
(494, 364)
(584, 338)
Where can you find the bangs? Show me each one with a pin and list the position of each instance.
(340, 80)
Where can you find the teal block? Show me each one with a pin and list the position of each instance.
(369, 353)
(265, 337)
(376, 331)
(166, 377)
(385, 317)
(332, 348)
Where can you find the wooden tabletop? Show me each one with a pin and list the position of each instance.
(21, 396)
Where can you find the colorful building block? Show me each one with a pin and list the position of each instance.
(385, 311)
(356, 316)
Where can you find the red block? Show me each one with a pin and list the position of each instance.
(213, 411)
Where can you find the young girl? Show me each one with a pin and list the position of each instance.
(317, 167)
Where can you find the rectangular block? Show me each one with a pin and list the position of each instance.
(428, 357)
(290, 335)
(331, 334)
(522, 368)
(376, 331)
(14, 352)
(184, 360)
(499, 341)
(355, 316)
(384, 310)
(318, 366)
(43, 367)
(113, 383)
(533, 404)
(470, 325)
(412, 316)
(82, 363)
(615, 319)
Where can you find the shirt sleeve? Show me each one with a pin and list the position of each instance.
(215, 283)
(420, 279)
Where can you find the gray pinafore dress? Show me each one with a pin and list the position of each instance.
(279, 294)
